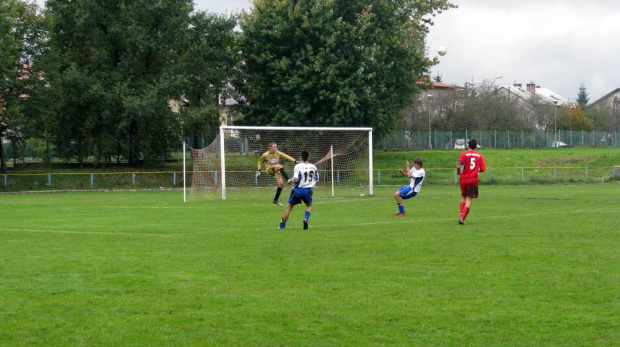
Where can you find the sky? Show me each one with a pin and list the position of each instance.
(556, 44)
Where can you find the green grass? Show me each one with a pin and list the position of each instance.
(593, 157)
(511, 166)
(533, 266)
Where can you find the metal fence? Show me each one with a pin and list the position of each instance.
(498, 139)
(174, 180)
(43, 150)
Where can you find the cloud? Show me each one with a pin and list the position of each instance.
(556, 44)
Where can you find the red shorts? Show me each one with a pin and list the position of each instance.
(469, 187)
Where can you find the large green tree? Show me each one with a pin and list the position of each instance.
(111, 76)
(118, 65)
(333, 62)
(204, 71)
(22, 37)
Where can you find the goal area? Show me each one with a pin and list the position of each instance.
(226, 168)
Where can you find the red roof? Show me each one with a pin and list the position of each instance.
(426, 81)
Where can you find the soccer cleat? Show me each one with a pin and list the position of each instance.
(461, 222)
(280, 228)
(400, 214)
(277, 202)
(305, 223)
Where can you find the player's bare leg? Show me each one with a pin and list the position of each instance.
(287, 212)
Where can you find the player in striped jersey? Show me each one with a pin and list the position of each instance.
(305, 177)
(417, 175)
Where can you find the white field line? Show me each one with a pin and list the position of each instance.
(398, 221)
(199, 207)
(83, 232)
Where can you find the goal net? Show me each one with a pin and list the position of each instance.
(226, 168)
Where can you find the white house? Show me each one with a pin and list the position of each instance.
(531, 89)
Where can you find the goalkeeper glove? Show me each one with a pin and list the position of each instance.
(257, 173)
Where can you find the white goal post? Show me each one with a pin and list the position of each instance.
(343, 156)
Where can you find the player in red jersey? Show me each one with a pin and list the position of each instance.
(470, 164)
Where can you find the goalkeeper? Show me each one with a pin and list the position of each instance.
(271, 159)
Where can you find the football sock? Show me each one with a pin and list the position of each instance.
(401, 208)
(464, 213)
(278, 192)
(284, 174)
(462, 207)
(307, 215)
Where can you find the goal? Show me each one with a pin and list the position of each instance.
(227, 167)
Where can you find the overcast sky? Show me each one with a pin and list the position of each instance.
(557, 44)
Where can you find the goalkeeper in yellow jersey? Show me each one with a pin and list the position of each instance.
(271, 159)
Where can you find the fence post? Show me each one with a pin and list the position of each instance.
(174, 178)
(508, 138)
(6, 179)
(586, 174)
(47, 145)
(92, 180)
(456, 176)
(133, 178)
(49, 180)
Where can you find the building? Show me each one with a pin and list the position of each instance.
(436, 89)
(531, 90)
(610, 101)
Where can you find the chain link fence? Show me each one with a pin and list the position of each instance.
(43, 150)
(174, 180)
(434, 139)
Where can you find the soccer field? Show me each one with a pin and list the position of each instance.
(533, 266)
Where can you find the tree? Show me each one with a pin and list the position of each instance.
(21, 37)
(120, 63)
(112, 78)
(333, 63)
(573, 118)
(485, 106)
(600, 118)
(205, 72)
(582, 96)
